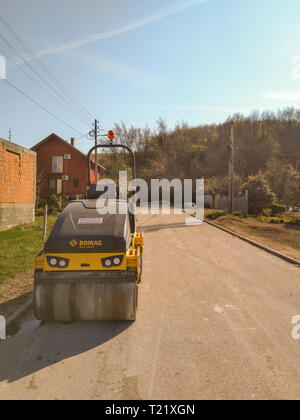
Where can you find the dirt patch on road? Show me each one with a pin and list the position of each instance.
(15, 293)
(282, 238)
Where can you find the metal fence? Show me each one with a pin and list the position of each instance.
(222, 203)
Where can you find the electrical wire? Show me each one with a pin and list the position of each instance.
(88, 122)
(50, 74)
(82, 137)
(42, 87)
(39, 105)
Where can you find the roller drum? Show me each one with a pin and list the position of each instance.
(86, 296)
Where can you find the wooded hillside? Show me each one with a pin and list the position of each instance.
(267, 146)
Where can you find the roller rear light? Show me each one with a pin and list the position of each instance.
(112, 262)
(58, 262)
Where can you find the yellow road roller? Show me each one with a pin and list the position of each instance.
(91, 264)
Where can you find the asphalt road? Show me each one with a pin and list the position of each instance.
(214, 322)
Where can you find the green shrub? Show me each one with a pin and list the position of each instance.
(267, 212)
(277, 209)
(53, 204)
(276, 220)
(293, 222)
(260, 193)
(216, 214)
(238, 214)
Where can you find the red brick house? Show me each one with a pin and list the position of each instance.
(61, 168)
(17, 184)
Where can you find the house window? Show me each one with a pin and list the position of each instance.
(57, 164)
(55, 185)
(52, 184)
(59, 187)
(76, 183)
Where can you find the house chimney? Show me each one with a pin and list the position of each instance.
(73, 141)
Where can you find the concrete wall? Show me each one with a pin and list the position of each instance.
(12, 214)
(17, 184)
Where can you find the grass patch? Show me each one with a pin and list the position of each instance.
(19, 245)
(214, 214)
(280, 237)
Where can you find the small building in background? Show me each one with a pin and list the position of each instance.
(62, 168)
(17, 185)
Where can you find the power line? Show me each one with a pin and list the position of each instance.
(42, 87)
(41, 77)
(39, 105)
(82, 137)
(50, 74)
(36, 59)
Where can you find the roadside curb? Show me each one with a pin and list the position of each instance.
(20, 311)
(256, 244)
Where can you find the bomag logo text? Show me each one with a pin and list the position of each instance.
(90, 244)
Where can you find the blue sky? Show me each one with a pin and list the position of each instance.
(137, 60)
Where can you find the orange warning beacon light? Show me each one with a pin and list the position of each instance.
(111, 135)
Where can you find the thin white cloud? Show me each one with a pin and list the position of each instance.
(119, 69)
(283, 95)
(172, 9)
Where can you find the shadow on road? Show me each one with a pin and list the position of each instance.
(51, 343)
(153, 228)
(161, 227)
(7, 308)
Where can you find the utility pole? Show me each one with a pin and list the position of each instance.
(231, 171)
(96, 151)
(45, 222)
(247, 202)
(9, 135)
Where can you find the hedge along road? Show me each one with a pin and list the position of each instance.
(214, 322)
